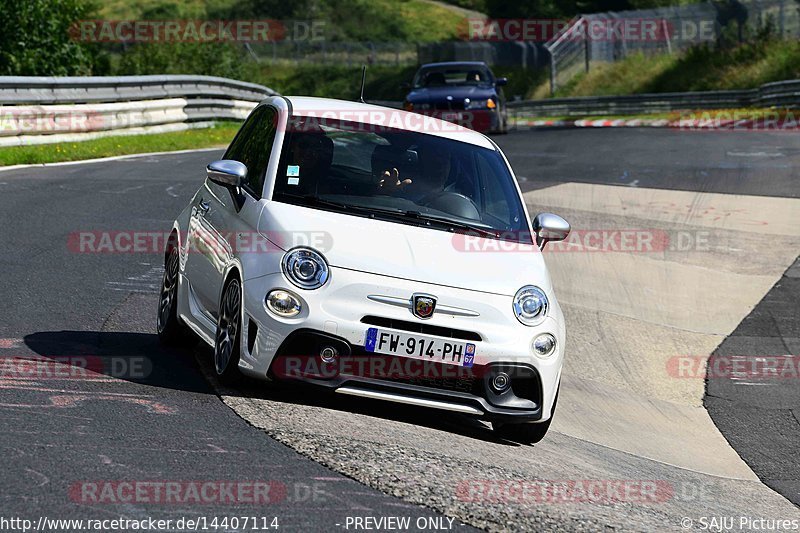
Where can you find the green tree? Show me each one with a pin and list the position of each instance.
(35, 39)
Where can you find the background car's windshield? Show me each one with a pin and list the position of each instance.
(401, 171)
(452, 75)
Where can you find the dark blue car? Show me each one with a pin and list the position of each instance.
(464, 92)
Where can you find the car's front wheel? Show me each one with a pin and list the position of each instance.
(229, 326)
(523, 433)
(168, 326)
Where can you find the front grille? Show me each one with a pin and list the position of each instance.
(422, 373)
(461, 384)
(455, 105)
(418, 327)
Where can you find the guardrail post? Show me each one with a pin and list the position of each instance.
(667, 36)
(586, 44)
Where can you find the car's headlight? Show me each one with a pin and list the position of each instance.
(530, 305)
(481, 104)
(305, 268)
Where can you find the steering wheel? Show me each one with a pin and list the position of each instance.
(453, 203)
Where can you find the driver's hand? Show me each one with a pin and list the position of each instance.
(391, 181)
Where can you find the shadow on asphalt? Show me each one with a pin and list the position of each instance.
(297, 393)
(134, 357)
(140, 358)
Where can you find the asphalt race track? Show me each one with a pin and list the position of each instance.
(635, 407)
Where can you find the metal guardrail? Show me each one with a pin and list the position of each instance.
(39, 110)
(785, 94)
(15, 90)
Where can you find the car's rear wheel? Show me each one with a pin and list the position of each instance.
(169, 327)
(227, 345)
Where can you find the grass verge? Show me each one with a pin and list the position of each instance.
(219, 135)
(702, 68)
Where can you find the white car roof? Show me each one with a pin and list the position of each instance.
(385, 116)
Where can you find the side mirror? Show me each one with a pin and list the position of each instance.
(227, 173)
(405, 86)
(549, 227)
(501, 81)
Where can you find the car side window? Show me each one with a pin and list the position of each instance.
(252, 146)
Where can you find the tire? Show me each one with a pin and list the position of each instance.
(227, 343)
(530, 433)
(523, 433)
(169, 327)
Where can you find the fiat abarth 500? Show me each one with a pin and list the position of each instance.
(381, 254)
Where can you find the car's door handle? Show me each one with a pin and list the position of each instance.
(203, 207)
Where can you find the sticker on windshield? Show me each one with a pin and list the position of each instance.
(293, 181)
(293, 170)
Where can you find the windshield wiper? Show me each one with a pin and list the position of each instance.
(310, 199)
(454, 224)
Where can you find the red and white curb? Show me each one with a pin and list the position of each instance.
(598, 123)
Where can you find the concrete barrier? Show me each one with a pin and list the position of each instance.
(39, 110)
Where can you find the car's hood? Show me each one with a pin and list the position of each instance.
(406, 251)
(440, 94)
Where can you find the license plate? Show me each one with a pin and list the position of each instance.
(419, 347)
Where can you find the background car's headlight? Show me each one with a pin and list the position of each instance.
(530, 305)
(305, 268)
(481, 104)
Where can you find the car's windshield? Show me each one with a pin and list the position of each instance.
(399, 175)
(452, 75)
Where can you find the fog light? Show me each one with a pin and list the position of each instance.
(283, 303)
(501, 382)
(544, 345)
(328, 354)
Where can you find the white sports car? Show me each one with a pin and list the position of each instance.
(378, 253)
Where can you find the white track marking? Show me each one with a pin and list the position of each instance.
(113, 158)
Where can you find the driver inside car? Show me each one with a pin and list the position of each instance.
(436, 167)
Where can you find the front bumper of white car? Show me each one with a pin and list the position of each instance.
(339, 314)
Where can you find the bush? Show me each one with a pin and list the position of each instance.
(210, 59)
(35, 38)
